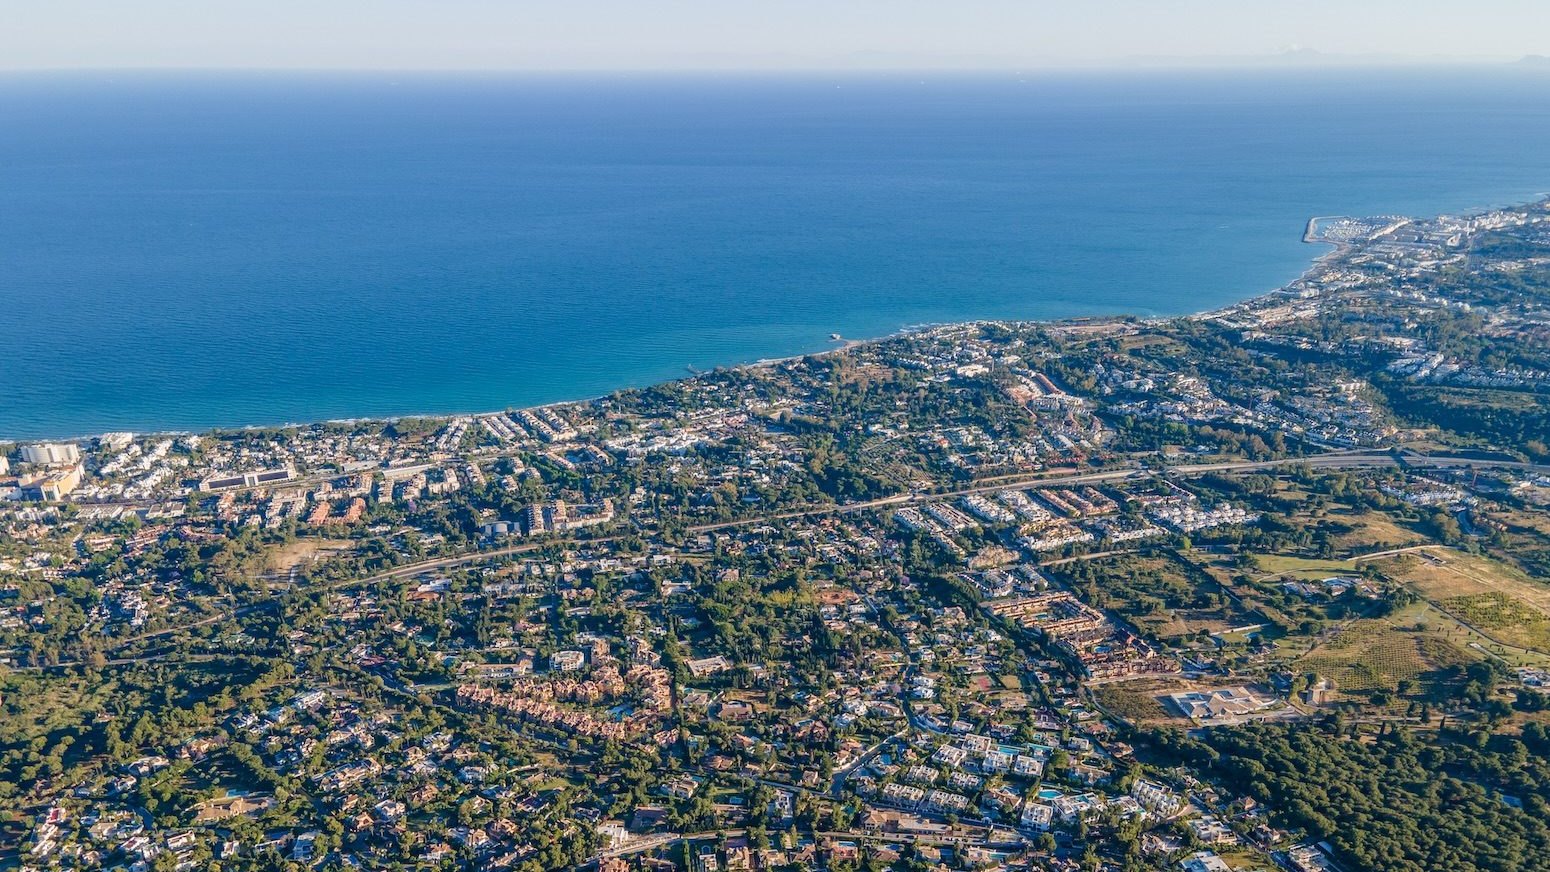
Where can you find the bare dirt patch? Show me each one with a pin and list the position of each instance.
(304, 551)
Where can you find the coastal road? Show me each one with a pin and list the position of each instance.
(1335, 460)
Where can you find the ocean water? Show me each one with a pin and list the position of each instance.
(180, 251)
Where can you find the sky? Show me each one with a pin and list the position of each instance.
(758, 34)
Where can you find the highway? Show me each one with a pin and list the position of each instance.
(1333, 460)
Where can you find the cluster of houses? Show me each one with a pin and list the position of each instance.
(1104, 648)
(1053, 519)
(572, 705)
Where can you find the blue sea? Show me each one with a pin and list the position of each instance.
(182, 250)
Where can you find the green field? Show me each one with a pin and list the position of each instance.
(1371, 655)
(1505, 618)
(1302, 567)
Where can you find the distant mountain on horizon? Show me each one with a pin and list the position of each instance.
(1291, 57)
(1301, 56)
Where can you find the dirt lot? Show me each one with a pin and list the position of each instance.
(304, 551)
(1141, 702)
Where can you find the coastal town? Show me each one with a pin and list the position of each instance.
(1102, 594)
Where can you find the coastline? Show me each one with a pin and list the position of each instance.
(844, 344)
(1337, 249)
(578, 265)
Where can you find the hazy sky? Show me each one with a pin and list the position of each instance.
(676, 34)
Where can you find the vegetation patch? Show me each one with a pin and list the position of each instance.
(1135, 704)
(1395, 805)
(1508, 619)
(1372, 655)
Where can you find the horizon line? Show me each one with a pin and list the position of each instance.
(1254, 62)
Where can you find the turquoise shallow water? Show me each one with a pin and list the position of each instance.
(185, 251)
